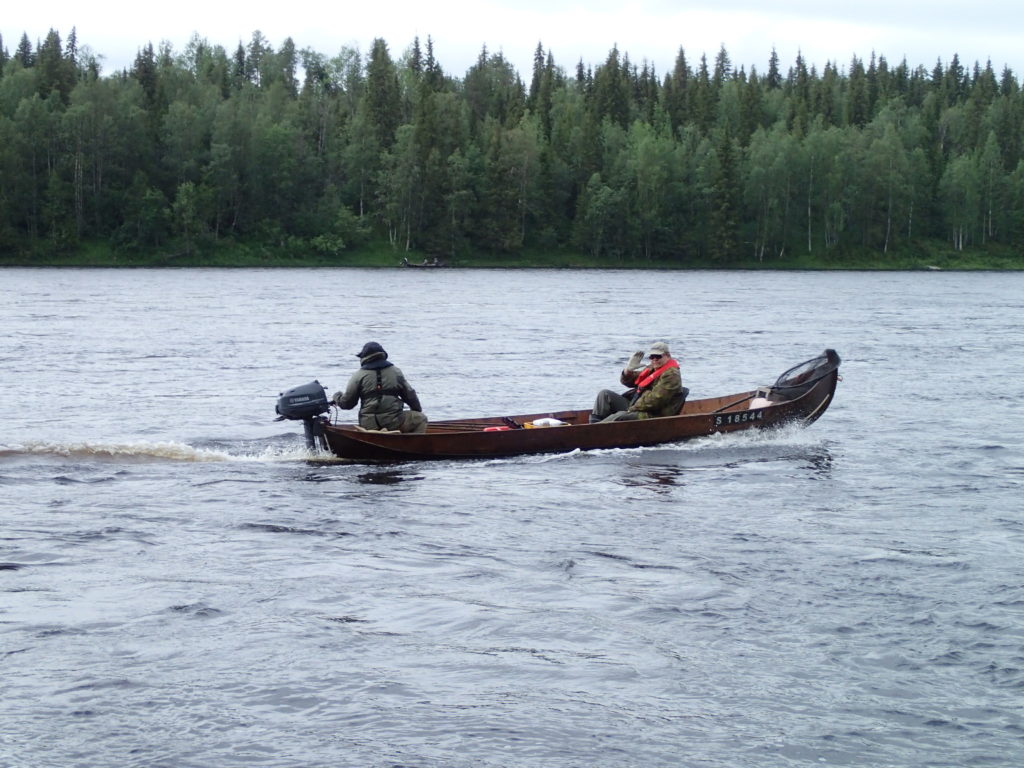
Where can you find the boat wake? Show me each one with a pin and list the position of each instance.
(282, 449)
(159, 451)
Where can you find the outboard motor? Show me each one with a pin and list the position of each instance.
(306, 404)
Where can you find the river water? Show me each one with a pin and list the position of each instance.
(181, 586)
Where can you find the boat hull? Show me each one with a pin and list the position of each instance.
(479, 438)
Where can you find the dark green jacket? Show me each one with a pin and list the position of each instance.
(381, 388)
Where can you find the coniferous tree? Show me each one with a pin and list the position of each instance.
(239, 68)
(415, 63)
(900, 81)
(258, 55)
(1008, 85)
(287, 66)
(493, 89)
(647, 94)
(56, 73)
(611, 95)
(24, 54)
(954, 81)
(858, 100)
(798, 84)
(885, 86)
(723, 69)
(144, 70)
(917, 86)
(725, 201)
(616, 160)
(773, 80)
(382, 97)
(751, 115)
(535, 80)
(1006, 117)
(433, 73)
(550, 79)
(676, 92)
(71, 47)
(827, 99)
(873, 87)
(702, 104)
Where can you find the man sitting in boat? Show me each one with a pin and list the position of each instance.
(656, 389)
(382, 389)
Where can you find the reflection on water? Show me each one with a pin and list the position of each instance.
(653, 472)
(820, 460)
(387, 477)
(658, 479)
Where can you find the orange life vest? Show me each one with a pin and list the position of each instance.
(647, 378)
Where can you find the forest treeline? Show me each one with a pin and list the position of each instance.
(297, 152)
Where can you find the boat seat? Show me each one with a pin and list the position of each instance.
(761, 399)
(680, 401)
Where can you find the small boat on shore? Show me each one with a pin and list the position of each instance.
(434, 263)
(800, 395)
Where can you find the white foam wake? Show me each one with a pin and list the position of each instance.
(157, 451)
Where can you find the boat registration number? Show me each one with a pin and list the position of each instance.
(738, 418)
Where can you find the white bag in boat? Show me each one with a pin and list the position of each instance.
(546, 423)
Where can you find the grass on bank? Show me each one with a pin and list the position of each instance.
(381, 254)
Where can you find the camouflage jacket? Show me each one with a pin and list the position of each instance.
(663, 398)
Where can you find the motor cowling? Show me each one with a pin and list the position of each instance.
(305, 402)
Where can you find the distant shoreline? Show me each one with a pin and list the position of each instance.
(383, 256)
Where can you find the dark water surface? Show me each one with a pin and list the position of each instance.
(180, 586)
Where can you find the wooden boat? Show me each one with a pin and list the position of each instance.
(800, 395)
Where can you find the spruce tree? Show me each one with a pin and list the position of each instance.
(723, 69)
(287, 66)
(858, 106)
(725, 202)
(383, 96)
(55, 72)
(71, 48)
(535, 80)
(675, 92)
(703, 105)
(433, 74)
(144, 70)
(24, 54)
(239, 68)
(773, 80)
(611, 91)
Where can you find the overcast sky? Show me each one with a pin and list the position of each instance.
(922, 31)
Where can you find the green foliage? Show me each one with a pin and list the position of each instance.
(273, 153)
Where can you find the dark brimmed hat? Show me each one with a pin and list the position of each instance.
(371, 348)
